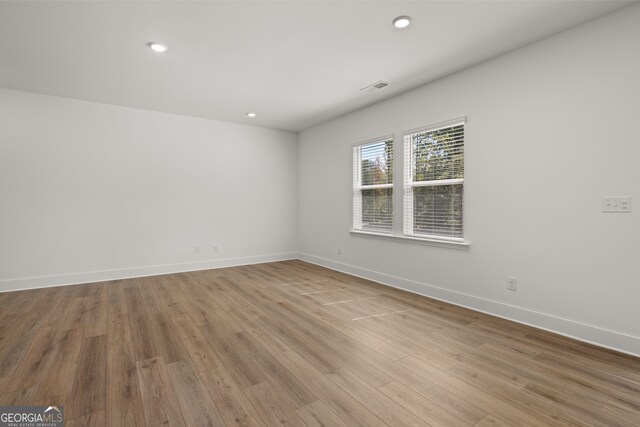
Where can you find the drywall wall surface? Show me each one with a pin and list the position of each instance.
(552, 128)
(91, 192)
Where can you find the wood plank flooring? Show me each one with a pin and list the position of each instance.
(294, 344)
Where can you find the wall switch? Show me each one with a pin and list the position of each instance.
(339, 251)
(512, 283)
(616, 204)
(196, 249)
(215, 248)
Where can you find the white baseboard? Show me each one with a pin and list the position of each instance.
(128, 273)
(588, 333)
(592, 334)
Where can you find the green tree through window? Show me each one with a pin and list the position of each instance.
(373, 186)
(434, 182)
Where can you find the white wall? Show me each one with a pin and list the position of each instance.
(92, 192)
(552, 128)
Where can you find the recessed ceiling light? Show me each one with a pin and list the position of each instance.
(157, 47)
(402, 21)
(252, 115)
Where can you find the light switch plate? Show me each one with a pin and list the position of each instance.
(616, 204)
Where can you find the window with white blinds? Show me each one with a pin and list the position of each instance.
(434, 181)
(373, 186)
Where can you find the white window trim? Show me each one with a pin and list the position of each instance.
(409, 184)
(421, 239)
(437, 183)
(358, 187)
(398, 234)
(436, 126)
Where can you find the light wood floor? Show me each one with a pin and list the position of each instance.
(295, 344)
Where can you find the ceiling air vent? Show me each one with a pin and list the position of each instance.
(374, 87)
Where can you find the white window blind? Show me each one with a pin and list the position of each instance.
(434, 181)
(373, 186)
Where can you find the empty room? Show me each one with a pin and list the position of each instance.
(319, 213)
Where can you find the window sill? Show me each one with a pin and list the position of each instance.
(463, 244)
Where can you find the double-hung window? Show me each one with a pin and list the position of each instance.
(434, 181)
(373, 186)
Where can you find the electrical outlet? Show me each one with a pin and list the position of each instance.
(339, 251)
(196, 249)
(512, 284)
(616, 204)
(214, 248)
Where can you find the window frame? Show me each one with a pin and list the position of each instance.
(409, 185)
(358, 187)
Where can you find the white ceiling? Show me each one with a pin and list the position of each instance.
(295, 63)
